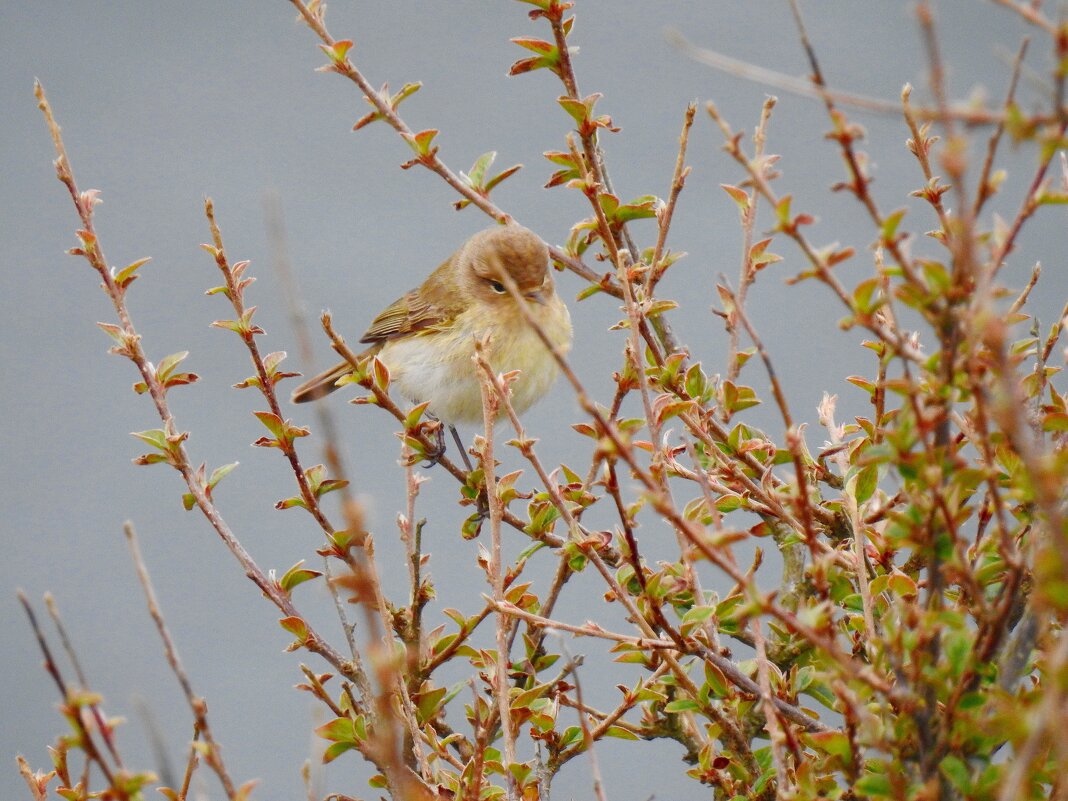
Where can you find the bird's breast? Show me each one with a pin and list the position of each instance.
(437, 365)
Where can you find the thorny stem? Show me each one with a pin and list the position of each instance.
(983, 190)
(857, 525)
(899, 343)
(846, 134)
(771, 716)
(1030, 12)
(695, 535)
(589, 630)
(587, 733)
(793, 437)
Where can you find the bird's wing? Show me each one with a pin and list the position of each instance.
(433, 304)
(406, 315)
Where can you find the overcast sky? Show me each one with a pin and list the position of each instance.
(165, 103)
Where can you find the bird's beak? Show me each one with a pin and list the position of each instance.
(536, 296)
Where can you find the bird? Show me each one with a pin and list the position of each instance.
(426, 338)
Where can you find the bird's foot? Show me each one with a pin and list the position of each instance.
(434, 454)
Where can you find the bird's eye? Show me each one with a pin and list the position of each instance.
(498, 287)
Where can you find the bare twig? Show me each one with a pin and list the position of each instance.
(197, 705)
(587, 733)
(70, 702)
(967, 114)
(102, 724)
(665, 215)
(1030, 13)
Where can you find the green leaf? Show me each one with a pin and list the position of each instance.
(682, 705)
(759, 256)
(696, 617)
(420, 142)
(866, 483)
(534, 45)
(548, 56)
(155, 437)
(716, 681)
(477, 175)
(954, 769)
(415, 414)
(219, 473)
(835, 743)
(875, 785)
(571, 735)
(738, 195)
(296, 626)
(891, 223)
(272, 421)
(297, 575)
(866, 296)
(621, 733)
(335, 750)
(501, 176)
(728, 503)
(128, 274)
(958, 646)
(168, 363)
(338, 51)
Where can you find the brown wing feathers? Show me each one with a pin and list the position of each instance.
(422, 308)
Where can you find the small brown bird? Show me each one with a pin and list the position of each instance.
(426, 338)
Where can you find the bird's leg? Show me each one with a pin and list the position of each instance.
(482, 506)
(460, 447)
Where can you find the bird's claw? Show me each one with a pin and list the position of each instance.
(434, 456)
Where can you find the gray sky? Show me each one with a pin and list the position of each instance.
(162, 104)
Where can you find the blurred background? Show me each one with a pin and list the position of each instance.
(164, 104)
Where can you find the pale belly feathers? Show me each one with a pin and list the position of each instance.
(438, 366)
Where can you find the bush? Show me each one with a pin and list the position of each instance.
(906, 643)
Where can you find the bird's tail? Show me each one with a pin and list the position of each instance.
(321, 385)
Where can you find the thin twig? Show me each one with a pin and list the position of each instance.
(314, 20)
(664, 216)
(587, 734)
(103, 726)
(302, 330)
(967, 114)
(197, 706)
(490, 409)
(1030, 13)
(74, 714)
(771, 716)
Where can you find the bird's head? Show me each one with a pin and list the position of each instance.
(505, 254)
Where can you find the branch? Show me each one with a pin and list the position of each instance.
(343, 66)
(197, 705)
